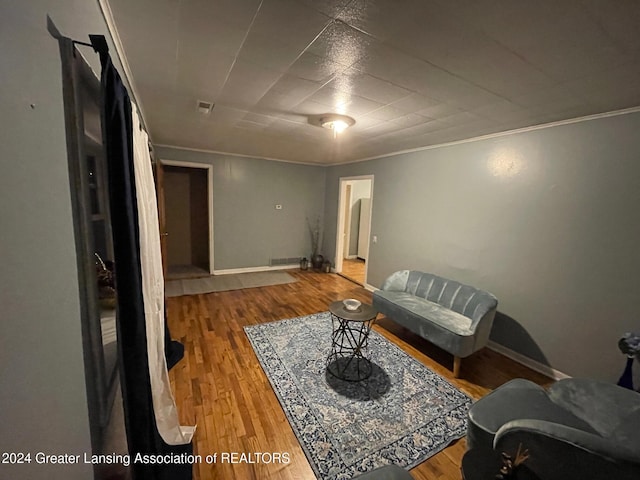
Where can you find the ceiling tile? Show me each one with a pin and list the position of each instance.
(556, 96)
(341, 44)
(295, 86)
(246, 84)
(331, 98)
(225, 115)
(503, 111)
(373, 17)
(310, 107)
(218, 26)
(411, 120)
(460, 118)
(439, 110)
(331, 8)
(357, 106)
(161, 36)
(619, 22)
(435, 83)
(386, 113)
(412, 73)
(414, 102)
(281, 31)
(364, 85)
(385, 61)
(315, 68)
(276, 53)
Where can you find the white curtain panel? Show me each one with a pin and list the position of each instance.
(164, 404)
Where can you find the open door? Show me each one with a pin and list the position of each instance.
(162, 221)
(186, 220)
(354, 227)
(347, 221)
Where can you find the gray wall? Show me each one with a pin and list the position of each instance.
(247, 229)
(546, 220)
(43, 400)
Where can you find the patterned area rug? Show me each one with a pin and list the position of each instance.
(403, 414)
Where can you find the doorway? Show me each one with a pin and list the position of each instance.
(187, 231)
(354, 227)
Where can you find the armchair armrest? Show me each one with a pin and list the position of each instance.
(561, 452)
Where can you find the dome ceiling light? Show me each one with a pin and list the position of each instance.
(333, 121)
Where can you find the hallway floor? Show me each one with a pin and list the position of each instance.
(354, 269)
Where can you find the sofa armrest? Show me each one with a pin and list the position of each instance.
(561, 452)
(482, 326)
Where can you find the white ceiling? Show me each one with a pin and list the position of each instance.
(412, 73)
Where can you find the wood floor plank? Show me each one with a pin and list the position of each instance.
(220, 386)
(354, 269)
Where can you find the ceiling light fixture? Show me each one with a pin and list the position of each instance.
(336, 122)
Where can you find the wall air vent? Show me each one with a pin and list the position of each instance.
(285, 261)
(204, 107)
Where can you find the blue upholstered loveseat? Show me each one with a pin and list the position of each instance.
(456, 317)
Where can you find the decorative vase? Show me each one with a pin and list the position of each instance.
(626, 380)
(317, 260)
(304, 264)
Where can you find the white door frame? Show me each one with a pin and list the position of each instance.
(209, 168)
(346, 235)
(342, 194)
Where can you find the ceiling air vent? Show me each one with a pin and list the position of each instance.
(204, 107)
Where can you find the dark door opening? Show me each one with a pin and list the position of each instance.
(187, 221)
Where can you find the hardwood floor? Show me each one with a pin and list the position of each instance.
(220, 386)
(354, 269)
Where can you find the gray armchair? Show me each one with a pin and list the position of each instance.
(578, 429)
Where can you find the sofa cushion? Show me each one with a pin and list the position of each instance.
(432, 312)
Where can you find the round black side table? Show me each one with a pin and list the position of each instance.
(349, 341)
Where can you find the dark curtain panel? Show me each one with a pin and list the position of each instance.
(142, 433)
(173, 350)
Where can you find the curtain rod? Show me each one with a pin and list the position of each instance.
(100, 46)
(98, 43)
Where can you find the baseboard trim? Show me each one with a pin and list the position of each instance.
(370, 288)
(527, 362)
(230, 271)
